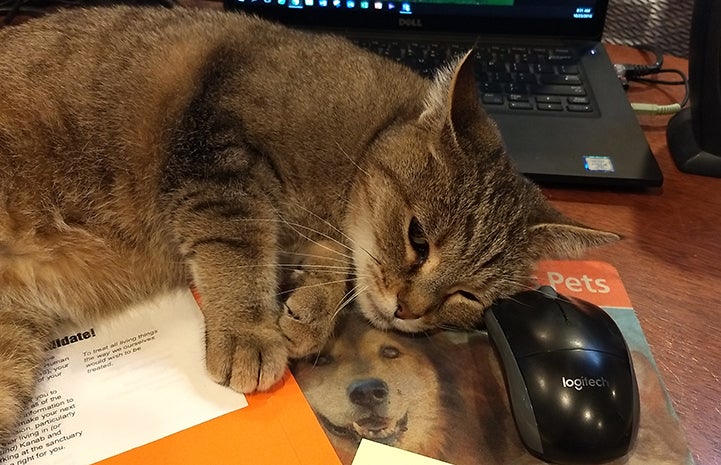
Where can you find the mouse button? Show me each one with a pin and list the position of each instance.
(590, 327)
(531, 323)
(584, 403)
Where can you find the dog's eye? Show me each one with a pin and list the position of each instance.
(322, 360)
(389, 352)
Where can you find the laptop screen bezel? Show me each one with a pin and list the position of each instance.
(339, 19)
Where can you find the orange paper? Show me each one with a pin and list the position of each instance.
(277, 427)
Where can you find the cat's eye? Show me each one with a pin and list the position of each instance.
(418, 240)
(468, 296)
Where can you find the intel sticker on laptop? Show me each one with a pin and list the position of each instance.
(598, 164)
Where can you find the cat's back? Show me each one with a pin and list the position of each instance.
(81, 86)
(81, 83)
(101, 76)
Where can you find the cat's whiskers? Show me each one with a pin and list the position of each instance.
(314, 266)
(327, 283)
(348, 298)
(339, 231)
(297, 266)
(448, 328)
(351, 160)
(309, 255)
(295, 226)
(327, 269)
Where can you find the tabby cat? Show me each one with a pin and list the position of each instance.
(283, 173)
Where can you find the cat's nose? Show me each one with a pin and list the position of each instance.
(403, 312)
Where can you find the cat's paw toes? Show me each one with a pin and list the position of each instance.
(305, 329)
(247, 361)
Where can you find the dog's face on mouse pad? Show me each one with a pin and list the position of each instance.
(442, 395)
(389, 387)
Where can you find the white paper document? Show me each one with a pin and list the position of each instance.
(375, 453)
(118, 385)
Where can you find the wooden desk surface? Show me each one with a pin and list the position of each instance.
(670, 263)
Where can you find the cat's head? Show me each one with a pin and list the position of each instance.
(441, 223)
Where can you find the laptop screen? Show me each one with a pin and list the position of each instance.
(581, 19)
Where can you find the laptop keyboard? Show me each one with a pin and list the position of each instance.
(510, 78)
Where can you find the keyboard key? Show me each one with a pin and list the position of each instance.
(501, 77)
(569, 69)
(580, 108)
(579, 100)
(520, 105)
(542, 68)
(561, 79)
(526, 78)
(518, 98)
(548, 99)
(550, 106)
(495, 67)
(516, 88)
(561, 54)
(491, 87)
(492, 99)
(519, 68)
(547, 89)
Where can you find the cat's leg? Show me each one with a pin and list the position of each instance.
(317, 293)
(23, 342)
(229, 240)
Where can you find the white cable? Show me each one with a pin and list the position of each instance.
(653, 109)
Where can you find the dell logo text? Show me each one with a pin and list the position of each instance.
(410, 22)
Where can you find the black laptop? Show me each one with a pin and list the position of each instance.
(542, 73)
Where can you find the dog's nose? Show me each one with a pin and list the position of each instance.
(368, 392)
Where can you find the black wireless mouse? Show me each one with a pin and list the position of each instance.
(569, 375)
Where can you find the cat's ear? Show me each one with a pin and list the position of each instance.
(453, 104)
(464, 110)
(553, 235)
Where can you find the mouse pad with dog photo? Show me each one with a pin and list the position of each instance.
(443, 395)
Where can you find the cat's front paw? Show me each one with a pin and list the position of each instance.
(307, 321)
(247, 360)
